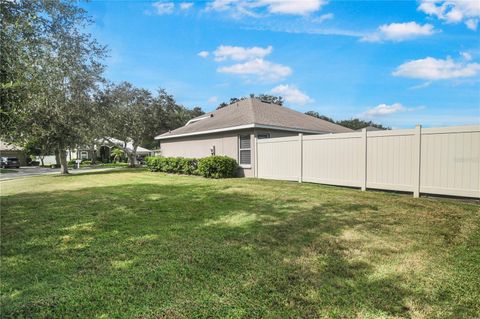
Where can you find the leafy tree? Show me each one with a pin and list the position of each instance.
(318, 116)
(49, 71)
(135, 116)
(262, 97)
(39, 149)
(270, 99)
(356, 124)
(117, 154)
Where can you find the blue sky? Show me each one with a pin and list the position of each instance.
(398, 63)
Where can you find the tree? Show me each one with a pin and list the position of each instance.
(117, 154)
(135, 116)
(262, 97)
(49, 71)
(356, 124)
(318, 116)
(38, 149)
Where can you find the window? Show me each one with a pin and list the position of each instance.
(84, 155)
(263, 136)
(244, 150)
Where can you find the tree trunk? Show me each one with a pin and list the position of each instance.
(132, 158)
(63, 162)
(41, 160)
(57, 157)
(94, 156)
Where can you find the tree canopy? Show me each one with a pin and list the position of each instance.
(354, 123)
(136, 116)
(262, 97)
(53, 95)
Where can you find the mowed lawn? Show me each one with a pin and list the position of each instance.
(136, 244)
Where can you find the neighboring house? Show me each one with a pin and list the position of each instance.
(111, 142)
(101, 150)
(231, 131)
(12, 150)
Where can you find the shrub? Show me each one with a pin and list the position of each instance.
(217, 167)
(177, 165)
(71, 162)
(212, 167)
(86, 162)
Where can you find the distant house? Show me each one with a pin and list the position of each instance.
(231, 131)
(101, 151)
(12, 150)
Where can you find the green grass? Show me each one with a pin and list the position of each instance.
(7, 170)
(135, 244)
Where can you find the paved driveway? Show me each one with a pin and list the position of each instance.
(13, 173)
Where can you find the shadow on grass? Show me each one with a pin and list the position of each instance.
(101, 171)
(183, 250)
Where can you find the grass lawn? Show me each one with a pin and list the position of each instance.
(135, 244)
(7, 170)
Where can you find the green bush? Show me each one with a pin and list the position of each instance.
(86, 162)
(177, 165)
(217, 167)
(213, 166)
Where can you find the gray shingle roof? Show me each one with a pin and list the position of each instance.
(257, 114)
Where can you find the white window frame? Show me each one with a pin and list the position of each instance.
(244, 149)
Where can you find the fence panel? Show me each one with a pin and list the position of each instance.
(279, 158)
(333, 159)
(391, 160)
(442, 161)
(450, 162)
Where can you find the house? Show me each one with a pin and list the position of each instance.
(12, 150)
(231, 131)
(101, 151)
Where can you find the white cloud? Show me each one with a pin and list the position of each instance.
(294, 7)
(323, 17)
(384, 109)
(453, 11)
(472, 24)
(246, 7)
(264, 70)
(213, 99)
(436, 69)
(220, 5)
(291, 94)
(163, 7)
(399, 32)
(186, 5)
(466, 56)
(203, 54)
(225, 52)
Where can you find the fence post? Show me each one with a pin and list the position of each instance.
(255, 168)
(417, 163)
(300, 140)
(364, 160)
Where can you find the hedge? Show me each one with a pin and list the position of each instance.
(212, 167)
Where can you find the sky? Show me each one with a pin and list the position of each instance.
(398, 63)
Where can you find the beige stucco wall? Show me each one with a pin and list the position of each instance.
(226, 143)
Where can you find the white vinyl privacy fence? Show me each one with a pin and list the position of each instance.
(442, 161)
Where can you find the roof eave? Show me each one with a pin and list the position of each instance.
(241, 127)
